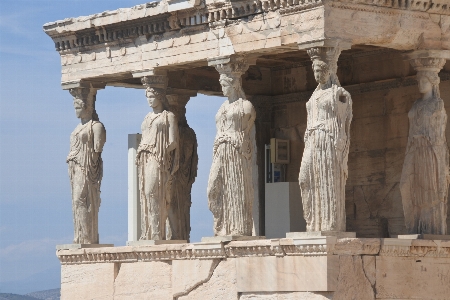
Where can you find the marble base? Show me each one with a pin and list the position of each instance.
(309, 234)
(155, 242)
(423, 237)
(81, 246)
(229, 238)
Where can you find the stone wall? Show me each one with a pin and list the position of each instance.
(310, 268)
(383, 89)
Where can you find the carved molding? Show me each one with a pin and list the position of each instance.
(434, 7)
(275, 247)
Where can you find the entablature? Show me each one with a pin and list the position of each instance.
(112, 45)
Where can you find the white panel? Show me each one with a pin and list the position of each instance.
(134, 206)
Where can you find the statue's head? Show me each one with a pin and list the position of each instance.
(84, 103)
(321, 71)
(325, 64)
(428, 81)
(232, 85)
(156, 98)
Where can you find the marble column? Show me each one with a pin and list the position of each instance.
(425, 175)
(179, 226)
(157, 159)
(323, 170)
(230, 185)
(86, 165)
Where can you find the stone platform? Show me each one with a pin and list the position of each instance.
(318, 268)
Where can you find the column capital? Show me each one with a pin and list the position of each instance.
(232, 65)
(155, 81)
(427, 60)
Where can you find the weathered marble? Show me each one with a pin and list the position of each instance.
(279, 269)
(86, 166)
(146, 280)
(157, 159)
(287, 274)
(324, 171)
(353, 279)
(425, 176)
(179, 221)
(230, 184)
(87, 281)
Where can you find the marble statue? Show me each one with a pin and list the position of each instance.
(323, 170)
(230, 184)
(157, 161)
(86, 166)
(425, 175)
(179, 210)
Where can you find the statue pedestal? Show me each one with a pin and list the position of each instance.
(155, 242)
(293, 268)
(229, 238)
(81, 246)
(423, 237)
(337, 234)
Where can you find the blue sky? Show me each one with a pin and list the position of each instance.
(36, 119)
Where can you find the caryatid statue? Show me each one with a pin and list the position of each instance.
(230, 184)
(323, 170)
(86, 166)
(179, 209)
(157, 160)
(425, 176)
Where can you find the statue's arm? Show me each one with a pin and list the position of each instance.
(249, 111)
(99, 136)
(173, 132)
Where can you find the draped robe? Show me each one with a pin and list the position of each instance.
(424, 181)
(156, 166)
(230, 184)
(323, 171)
(85, 173)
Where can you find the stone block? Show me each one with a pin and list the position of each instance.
(368, 105)
(366, 167)
(352, 282)
(189, 274)
(221, 285)
(288, 273)
(143, 280)
(369, 267)
(412, 278)
(87, 281)
(367, 134)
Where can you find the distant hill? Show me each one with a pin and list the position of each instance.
(4, 296)
(53, 294)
